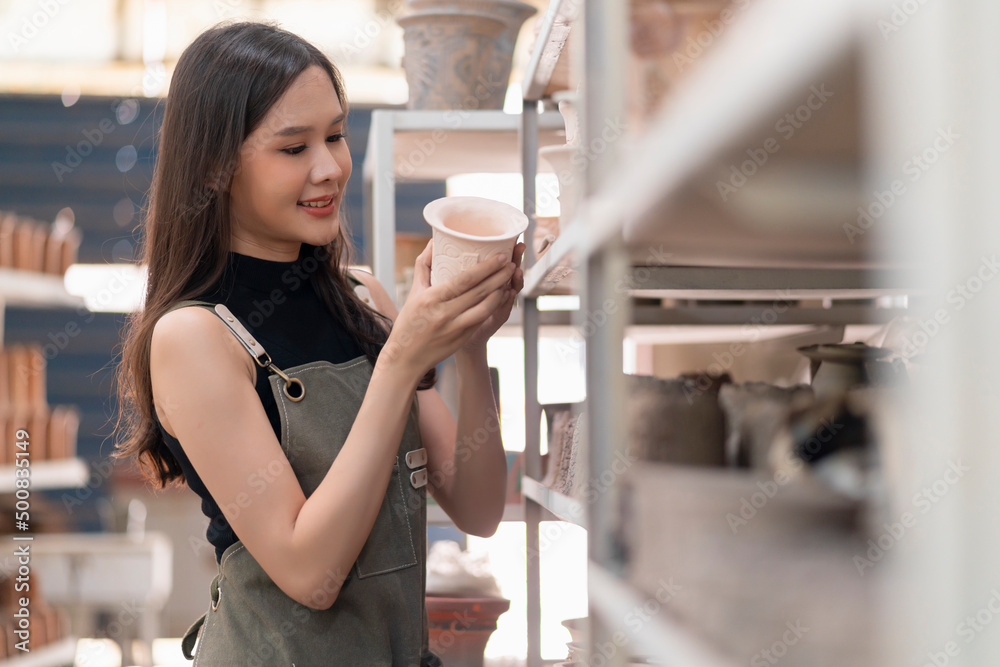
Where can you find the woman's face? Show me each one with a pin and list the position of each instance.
(293, 172)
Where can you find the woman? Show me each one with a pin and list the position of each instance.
(287, 391)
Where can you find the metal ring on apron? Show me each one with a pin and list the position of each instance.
(215, 604)
(288, 383)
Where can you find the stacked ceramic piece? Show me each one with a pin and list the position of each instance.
(52, 429)
(564, 456)
(458, 54)
(29, 245)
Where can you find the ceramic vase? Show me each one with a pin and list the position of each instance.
(468, 230)
(459, 628)
(458, 55)
(560, 159)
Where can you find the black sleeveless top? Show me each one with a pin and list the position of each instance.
(277, 303)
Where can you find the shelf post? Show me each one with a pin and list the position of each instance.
(603, 313)
(532, 409)
(380, 173)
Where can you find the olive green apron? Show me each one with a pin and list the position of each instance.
(379, 617)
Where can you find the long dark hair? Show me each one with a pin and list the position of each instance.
(224, 84)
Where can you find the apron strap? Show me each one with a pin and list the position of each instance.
(294, 389)
(187, 643)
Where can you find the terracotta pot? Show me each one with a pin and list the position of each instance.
(459, 628)
(499, 57)
(447, 58)
(468, 230)
(560, 159)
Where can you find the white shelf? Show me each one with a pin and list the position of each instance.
(35, 289)
(561, 506)
(659, 637)
(56, 654)
(778, 47)
(434, 145)
(552, 35)
(663, 200)
(55, 474)
(437, 516)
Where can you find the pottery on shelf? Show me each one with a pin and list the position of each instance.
(458, 55)
(469, 230)
(567, 101)
(459, 628)
(560, 159)
(838, 367)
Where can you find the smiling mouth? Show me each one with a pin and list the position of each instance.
(316, 204)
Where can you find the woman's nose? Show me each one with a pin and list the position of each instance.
(327, 166)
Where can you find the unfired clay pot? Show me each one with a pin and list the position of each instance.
(468, 230)
(560, 159)
(458, 54)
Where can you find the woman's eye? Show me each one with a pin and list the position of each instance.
(293, 151)
(333, 138)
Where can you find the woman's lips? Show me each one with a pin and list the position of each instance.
(320, 207)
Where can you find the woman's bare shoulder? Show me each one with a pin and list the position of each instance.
(188, 343)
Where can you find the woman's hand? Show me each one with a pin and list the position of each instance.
(438, 320)
(477, 341)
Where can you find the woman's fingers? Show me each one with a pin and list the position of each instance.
(422, 267)
(473, 276)
(493, 283)
(479, 313)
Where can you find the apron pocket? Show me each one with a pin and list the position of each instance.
(390, 545)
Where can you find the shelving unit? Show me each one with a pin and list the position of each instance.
(651, 209)
(56, 654)
(46, 475)
(433, 145)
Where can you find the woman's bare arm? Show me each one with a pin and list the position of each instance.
(203, 387)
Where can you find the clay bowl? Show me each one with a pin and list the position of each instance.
(469, 230)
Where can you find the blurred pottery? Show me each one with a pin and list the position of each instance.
(468, 230)
(560, 159)
(459, 628)
(458, 55)
(837, 368)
